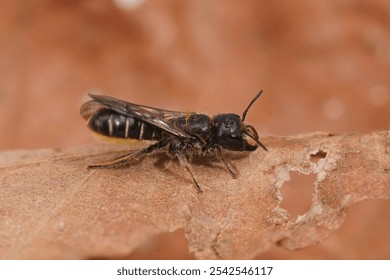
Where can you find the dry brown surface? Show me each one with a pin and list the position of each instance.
(323, 67)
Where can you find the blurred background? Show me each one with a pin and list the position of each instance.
(323, 66)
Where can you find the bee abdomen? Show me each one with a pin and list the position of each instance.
(110, 123)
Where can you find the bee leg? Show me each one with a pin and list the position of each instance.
(122, 161)
(226, 163)
(166, 165)
(228, 167)
(115, 163)
(198, 189)
(183, 161)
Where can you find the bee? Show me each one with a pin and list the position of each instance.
(185, 136)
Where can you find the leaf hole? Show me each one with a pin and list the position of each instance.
(314, 158)
(297, 193)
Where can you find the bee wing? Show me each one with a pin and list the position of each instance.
(88, 108)
(166, 114)
(153, 116)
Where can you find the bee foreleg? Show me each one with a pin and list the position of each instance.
(228, 167)
(184, 162)
(226, 163)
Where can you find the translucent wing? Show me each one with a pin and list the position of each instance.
(154, 116)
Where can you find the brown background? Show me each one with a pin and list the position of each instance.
(323, 65)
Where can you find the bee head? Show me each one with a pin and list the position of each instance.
(233, 134)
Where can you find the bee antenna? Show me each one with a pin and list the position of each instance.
(250, 104)
(257, 141)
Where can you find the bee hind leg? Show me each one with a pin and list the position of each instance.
(119, 162)
(123, 161)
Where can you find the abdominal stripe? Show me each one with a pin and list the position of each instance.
(110, 123)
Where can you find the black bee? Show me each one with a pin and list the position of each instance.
(186, 136)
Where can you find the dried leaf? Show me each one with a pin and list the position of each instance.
(52, 206)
